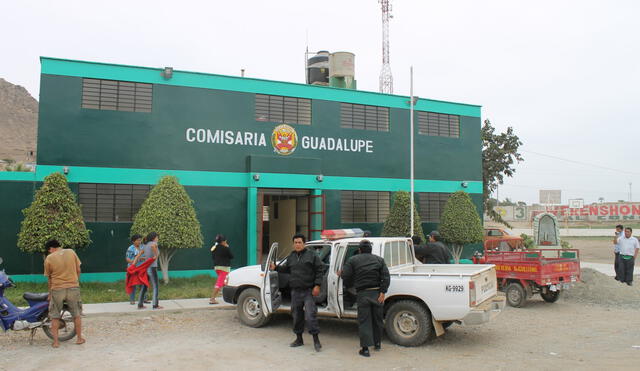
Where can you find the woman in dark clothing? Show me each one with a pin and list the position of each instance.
(221, 255)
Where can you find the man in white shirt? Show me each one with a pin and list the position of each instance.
(629, 247)
(616, 250)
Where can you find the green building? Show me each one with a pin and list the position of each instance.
(261, 159)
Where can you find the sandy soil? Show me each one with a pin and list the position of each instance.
(563, 335)
(594, 250)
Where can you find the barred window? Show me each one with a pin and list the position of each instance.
(111, 202)
(359, 116)
(431, 205)
(116, 95)
(364, 206)
(289, 110)
(438, 124)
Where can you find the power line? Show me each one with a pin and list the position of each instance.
(582, 163)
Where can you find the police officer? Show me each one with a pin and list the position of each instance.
(370, 276)
(435, 251)
(306, 271)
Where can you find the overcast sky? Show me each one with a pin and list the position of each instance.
(564, 74)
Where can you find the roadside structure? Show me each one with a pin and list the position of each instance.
(261, 159)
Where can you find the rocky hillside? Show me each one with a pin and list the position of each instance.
(18, 122)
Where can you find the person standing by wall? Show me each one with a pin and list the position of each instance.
(151, 250)
(62, 269)
(616, 250)
(629, 247)
(370, 276)
(306, 271)
(132, 252)
(221, 255)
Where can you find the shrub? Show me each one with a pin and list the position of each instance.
(460, 223)
(168, 211)
(398, 221)
(528, 242)
(53, 214)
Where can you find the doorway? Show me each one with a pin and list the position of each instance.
(282, 213)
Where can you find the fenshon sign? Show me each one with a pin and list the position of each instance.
(284, 140)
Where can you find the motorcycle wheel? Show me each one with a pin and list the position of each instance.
(66, 328)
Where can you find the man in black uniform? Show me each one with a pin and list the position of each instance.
(370, 276)
(306, 271)
(435, 252)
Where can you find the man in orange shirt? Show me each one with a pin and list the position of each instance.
(62, 268)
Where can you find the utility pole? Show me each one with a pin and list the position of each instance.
(412, 103)
(386, 79)
(630, 195)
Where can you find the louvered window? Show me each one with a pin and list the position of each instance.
(364, 206)
(116, 95)
(431, 205)
(438, 124)
(289, 110)
(111, 202)
(359, 116)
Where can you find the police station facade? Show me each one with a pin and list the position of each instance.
(261, 159)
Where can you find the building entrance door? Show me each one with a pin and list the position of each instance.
(282, 213)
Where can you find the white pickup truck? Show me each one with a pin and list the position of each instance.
(422, 300)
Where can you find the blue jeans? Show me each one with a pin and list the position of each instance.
(153, 281)
(132, 296)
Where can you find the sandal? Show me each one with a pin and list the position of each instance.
(213, 302)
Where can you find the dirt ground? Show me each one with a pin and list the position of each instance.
(563, 335)
(593, 249)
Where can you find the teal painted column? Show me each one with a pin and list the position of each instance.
(316, 220)
(252, 204)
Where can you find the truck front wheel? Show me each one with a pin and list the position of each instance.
(408, 323)
(250, 308)
(550, 296)
(516, 296)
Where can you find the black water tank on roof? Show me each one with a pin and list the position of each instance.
(318, 69)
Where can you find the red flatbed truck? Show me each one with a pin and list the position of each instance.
(521, 274)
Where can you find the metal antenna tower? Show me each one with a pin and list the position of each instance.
(386, 79)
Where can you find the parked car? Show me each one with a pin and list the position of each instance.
(422, 300)
(501, 240)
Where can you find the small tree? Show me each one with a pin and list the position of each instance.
(398, 222)
(499, 154)
(168, 211)
(53, 214)
(460, 223)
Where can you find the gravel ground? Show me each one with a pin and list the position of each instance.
(543, 336)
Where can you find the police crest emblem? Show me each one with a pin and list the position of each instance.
(284, 140)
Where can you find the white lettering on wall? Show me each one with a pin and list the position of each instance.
(247, 138)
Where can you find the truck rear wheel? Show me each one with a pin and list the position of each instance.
(408, 323)
(250, 308)
(550, 296)
(516, 296)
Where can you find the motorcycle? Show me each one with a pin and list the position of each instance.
(35, 316)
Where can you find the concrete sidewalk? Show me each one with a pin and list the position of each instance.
(168, 306)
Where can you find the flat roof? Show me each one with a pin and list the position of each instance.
(110, 71)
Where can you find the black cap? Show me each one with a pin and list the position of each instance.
(434, 234)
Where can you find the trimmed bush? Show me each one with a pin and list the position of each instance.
(53, 214)
(398, 222)
(168, 211)
(460, 223)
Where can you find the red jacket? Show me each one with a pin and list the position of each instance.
(137, 275)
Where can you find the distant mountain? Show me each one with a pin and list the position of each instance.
(18, 123)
